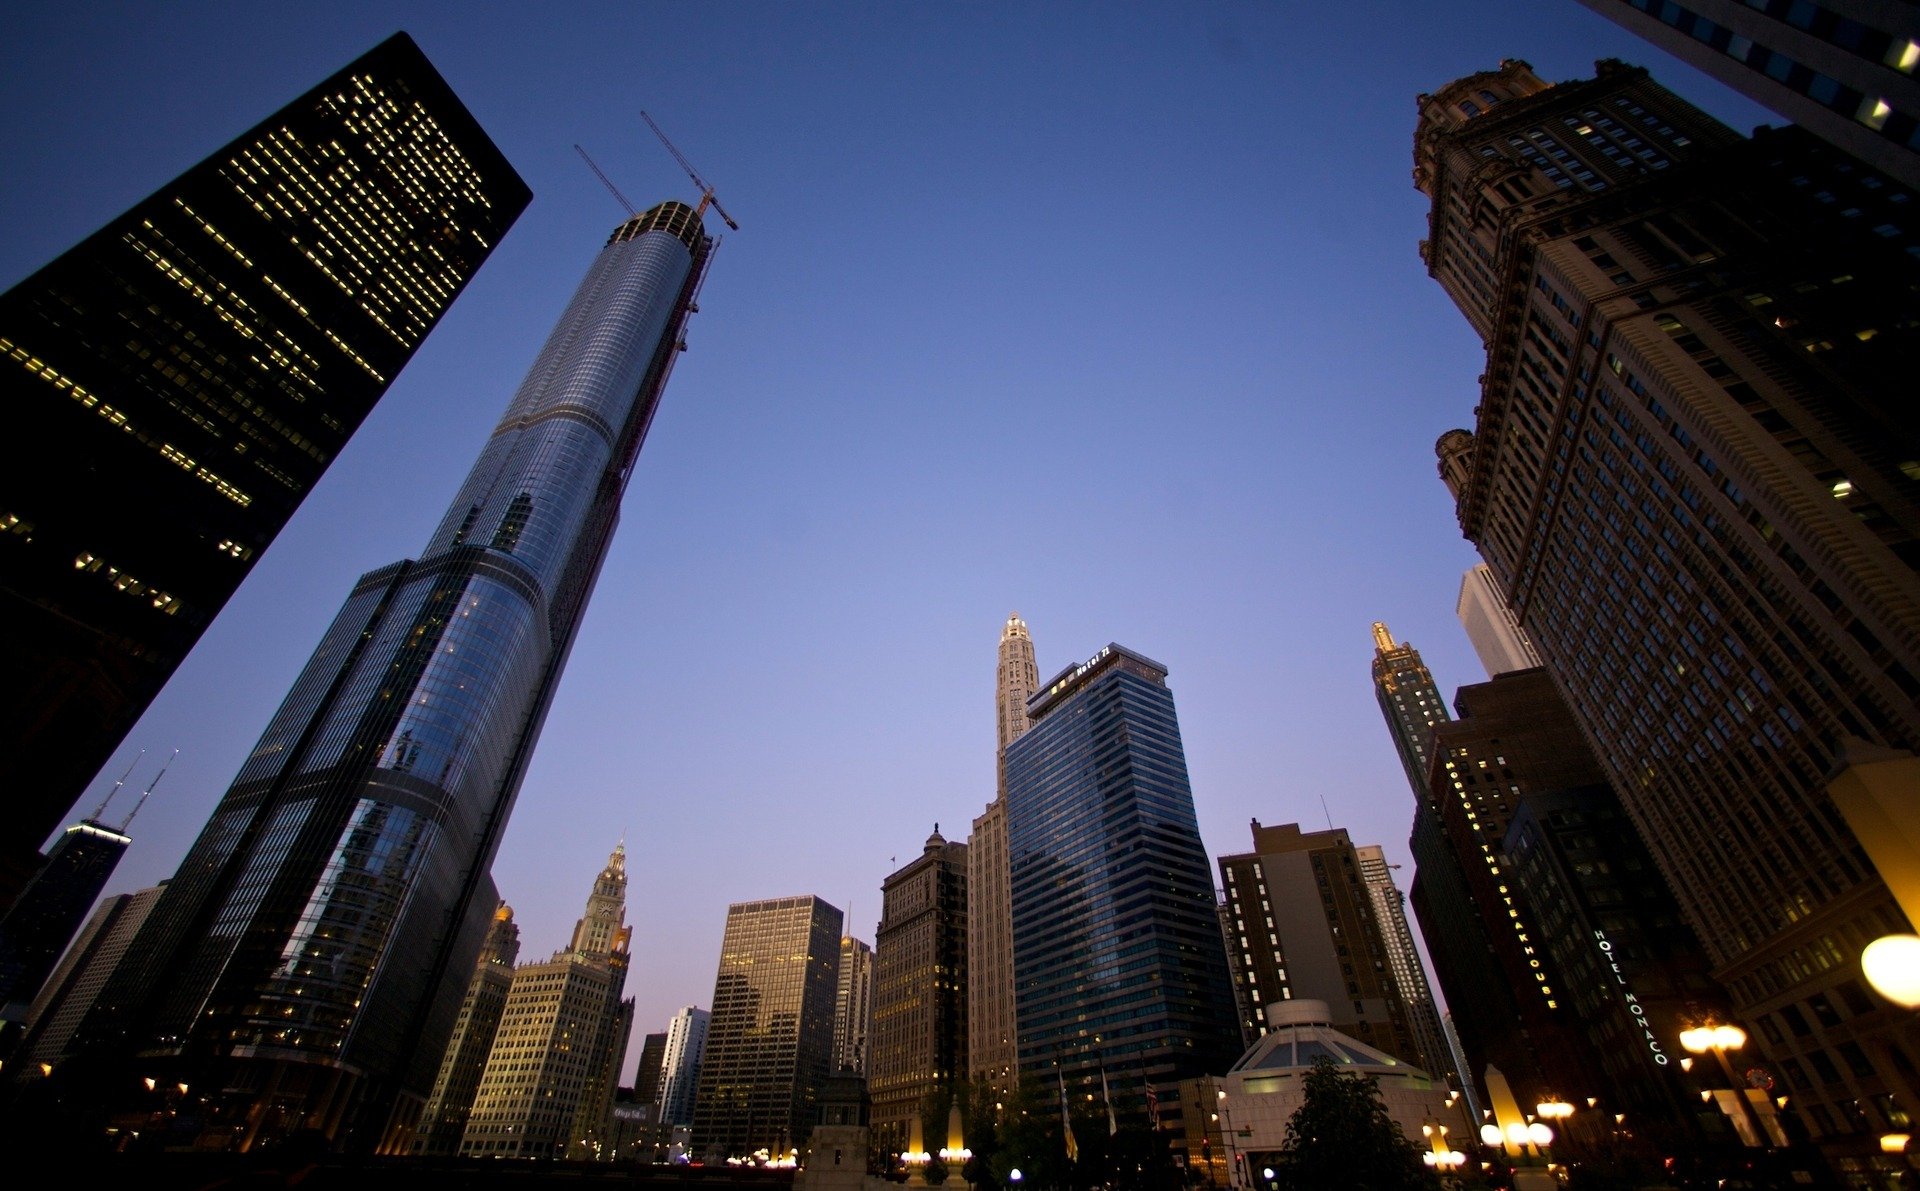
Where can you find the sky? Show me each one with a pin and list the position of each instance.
(1109, 314)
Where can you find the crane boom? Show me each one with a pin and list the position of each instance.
(606, 182)
(706, 191)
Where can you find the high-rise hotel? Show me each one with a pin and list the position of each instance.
(310, 955)
(1695, 472)
(1118, 960)
(179, 381)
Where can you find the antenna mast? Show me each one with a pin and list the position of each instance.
(128, 821)
(102, 808)
(706, 191)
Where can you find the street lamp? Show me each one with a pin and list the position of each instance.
(1720, 1039)
(1891, 964)
(1233, 1157)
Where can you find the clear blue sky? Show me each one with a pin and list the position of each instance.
(1108, 313)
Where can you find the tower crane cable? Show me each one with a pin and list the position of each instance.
(606, 182)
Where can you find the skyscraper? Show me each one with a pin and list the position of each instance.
(178, 382)
(363, 825)
(35, 932)
(444, 1120)
(992, 1038)
(919, 987)
(1700, 362)
(82, 972)
(1117, 954)
(1303, 918)
(1403, 960)
(680, 1065)
(1842, 69)
(1412, 704)
(770, 1038)
(547, 1090)
(853, 1008)
(651, 1069)
(1496, 636)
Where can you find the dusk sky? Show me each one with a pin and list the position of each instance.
(1111, 314)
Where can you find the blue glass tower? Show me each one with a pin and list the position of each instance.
(1118, 963)
(309, 956)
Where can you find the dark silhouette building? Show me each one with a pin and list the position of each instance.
(309, 958)
(1842, 69)
(1695, 472)
(1114, 920)
(919, 1032)
(178, 382)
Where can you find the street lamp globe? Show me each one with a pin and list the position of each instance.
(1892, 966)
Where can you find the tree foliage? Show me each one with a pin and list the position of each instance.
(1342, 1136)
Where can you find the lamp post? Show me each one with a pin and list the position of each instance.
(1226, 1130)
(1719, 1039)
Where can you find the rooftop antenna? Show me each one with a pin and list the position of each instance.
(1326, 812)
(606, 182)
(128, 821)
(102, 808)
(706, 191)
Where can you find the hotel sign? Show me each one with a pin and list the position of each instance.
(1633, 1003)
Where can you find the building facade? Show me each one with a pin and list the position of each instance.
(1693, 472)
(992, 1037)
(853, 1008)
(1118, 962)
(919, 988)
(680, 1065)
(82, 972)
(651, 1070)
(1303, 919)
(363, 825)
(444, 1120)
(1403, 960)
(1497, 637)
(770, 1036)
(547, 1089)
(1842, 69)
(43, 919)
(202, 359)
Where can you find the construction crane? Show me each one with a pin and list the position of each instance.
(706, 191)
(606, 182)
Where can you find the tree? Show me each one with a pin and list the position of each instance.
(1342, 1136)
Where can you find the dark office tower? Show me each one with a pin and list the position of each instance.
(1696, 474)
(1304, 922)
(321, 929)
(83, 971)
(770, 1033)
(444, 1119)
(1117, 953)
(35, 932)
(177, 383)
(647, 1076)
(992, 1050)
(1575, 1028)
(919, 988)
(1841, 69)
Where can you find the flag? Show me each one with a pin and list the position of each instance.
(1066, 1121)
(1113, 1124)
(1153, 1109)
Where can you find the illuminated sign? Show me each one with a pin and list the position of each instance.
(1633, 1003)
(1080, 670)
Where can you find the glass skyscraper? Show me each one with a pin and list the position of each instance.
(309, 956)
(179, 381)
(1118, 962)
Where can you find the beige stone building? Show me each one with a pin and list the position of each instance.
(992, 1037)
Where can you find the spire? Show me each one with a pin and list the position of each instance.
(1382, 639)
(102, 808)
(142, 801)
